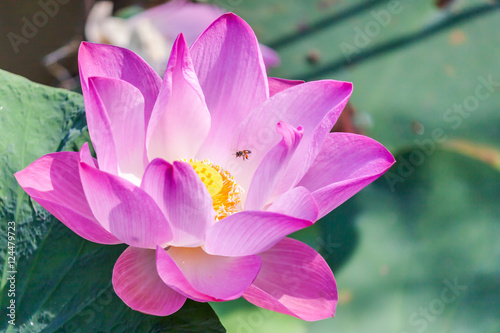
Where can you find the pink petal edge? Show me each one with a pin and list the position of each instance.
(228, 62)
(298, 202)
(294, 280)
(250, 232)
(54, 182)
(277, 85)
(122, 208)
(204, 277)
(347, 164)
(116, 126)
(137, 283)
(271, 169)
(315, 106)
(116, 62)
(183, 199)
(180, 121)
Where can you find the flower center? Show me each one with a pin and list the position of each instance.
(224, 191)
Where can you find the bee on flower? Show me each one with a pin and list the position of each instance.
(243, 153)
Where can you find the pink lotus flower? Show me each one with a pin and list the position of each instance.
(201, 222)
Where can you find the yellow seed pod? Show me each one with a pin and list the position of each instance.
(209, 176)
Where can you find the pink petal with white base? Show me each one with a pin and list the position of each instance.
(137, 283)
(54, 182)
(122, 208)
(250, 232)
(204, 277)
(294, 280)
(313, 105)
(180, 121)
(349, 162)
(116, 125)
(271, 169)
(119, 63)
(183, 199)
(298, 202)
(229, 66)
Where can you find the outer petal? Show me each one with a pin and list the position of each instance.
(183, 199)
(347, 163)
(250, 232)
(298, 202)
(229, 65)
(294, 280)
(271, 169)
(204, 277)
(116, 62)
(116, 125)
(313, 105)
(54, 182)
(180, 121)
(122, 208)
(137, 283)
(277, 85)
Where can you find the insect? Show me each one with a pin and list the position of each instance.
(243, 153)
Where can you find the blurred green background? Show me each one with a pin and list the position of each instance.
(418, 250)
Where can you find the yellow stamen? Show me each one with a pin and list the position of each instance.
(221, 186)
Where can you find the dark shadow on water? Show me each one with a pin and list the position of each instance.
(324, 23)
(339, 235)
(401, 42)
